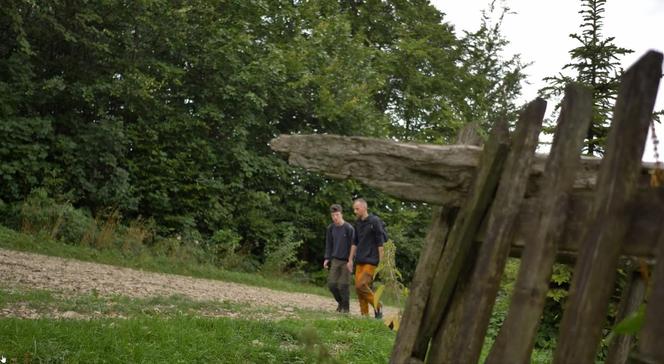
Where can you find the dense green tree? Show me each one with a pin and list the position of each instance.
(24, 147)
(417, 58)
(492, 81)
(164, 109)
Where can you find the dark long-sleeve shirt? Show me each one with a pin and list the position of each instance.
(369, 235)
(338, 240)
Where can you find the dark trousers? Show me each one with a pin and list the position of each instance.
(338, 281)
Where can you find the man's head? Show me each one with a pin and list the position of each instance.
(360, 208)
(336, 213)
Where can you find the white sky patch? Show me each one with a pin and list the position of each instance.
(540, 30)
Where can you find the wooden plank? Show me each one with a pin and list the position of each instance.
(516, 337)
(420, 287)
(651, 345)
(644, 224)
(435, 174)
(595, 271)
(631, 299)
(463, 343)
(461, 237)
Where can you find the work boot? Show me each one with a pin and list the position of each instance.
(378, 313)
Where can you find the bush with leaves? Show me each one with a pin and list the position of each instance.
(41, 214)
(224, 246)
(281, 254)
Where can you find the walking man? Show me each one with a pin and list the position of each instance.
(367, 252)
(338, 241)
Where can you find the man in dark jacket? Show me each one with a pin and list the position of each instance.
(338, 241)
(367, 252)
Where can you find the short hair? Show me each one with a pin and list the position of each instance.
(336, 208)
(361, 201)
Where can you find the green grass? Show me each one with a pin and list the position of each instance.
(176, 333)
(10, 239)
(188, 339)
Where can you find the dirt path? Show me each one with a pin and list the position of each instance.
(19, 269)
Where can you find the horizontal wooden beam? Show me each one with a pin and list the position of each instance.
(442, 174)
(435, 174)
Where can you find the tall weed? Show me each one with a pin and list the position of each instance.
(281, 254)
(390, 282)
(103, 233)
(137, 235)
(224, 245)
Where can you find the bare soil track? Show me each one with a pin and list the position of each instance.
(27, 270)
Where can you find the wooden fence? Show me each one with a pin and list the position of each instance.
(506, 200)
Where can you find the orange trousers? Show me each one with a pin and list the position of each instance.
(363, 278)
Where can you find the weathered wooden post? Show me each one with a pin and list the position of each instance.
(420, 287)
(460, 241)
(516, 336)
(595, 271)
(460, 338)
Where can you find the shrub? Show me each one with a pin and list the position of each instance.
(281, 255)
(74, 226)
(224, 246)
(6, 214)
(165, 247)
(41, 214)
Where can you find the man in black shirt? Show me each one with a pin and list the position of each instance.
(338, 242)
(367, 252)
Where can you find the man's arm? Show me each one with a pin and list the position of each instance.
(328, 247)
(351, 257)
(381, 251)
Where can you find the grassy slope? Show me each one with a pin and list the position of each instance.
(351, 340)
(174, 329)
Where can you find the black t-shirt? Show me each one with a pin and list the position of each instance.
(338, 240)
(369, 235)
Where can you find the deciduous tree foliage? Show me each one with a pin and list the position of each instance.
(165, 109)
